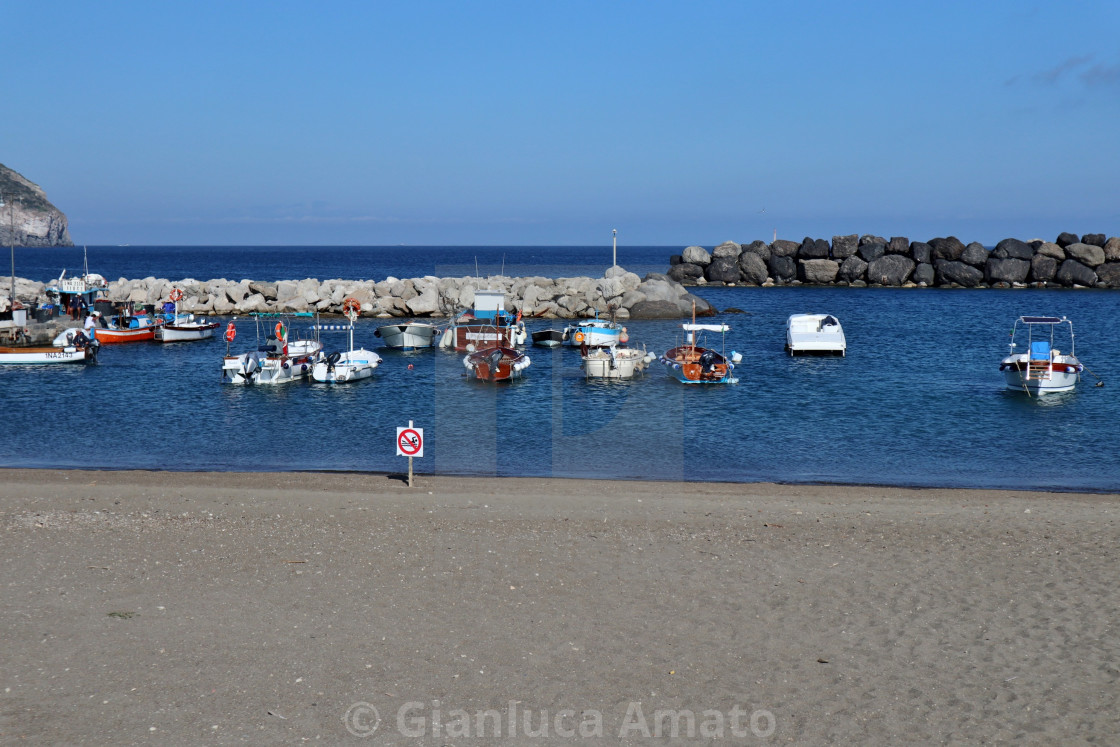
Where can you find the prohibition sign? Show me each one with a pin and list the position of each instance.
(410, 442)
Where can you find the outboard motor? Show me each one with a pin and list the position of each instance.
(493, 359)
(332, 359)
(707, 361)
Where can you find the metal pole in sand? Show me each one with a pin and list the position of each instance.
(410, 461)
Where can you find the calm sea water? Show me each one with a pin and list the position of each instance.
(918, 401)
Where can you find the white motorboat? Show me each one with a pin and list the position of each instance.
(277, 361)
(183, 327)
(409, 335)
(1042, 369)
(595, 333)
(815, 334)
(615, 363)
(344, 365)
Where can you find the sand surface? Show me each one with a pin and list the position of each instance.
(170, 608)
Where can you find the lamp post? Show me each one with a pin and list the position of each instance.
(614, 255)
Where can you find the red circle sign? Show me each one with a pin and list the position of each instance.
(410, 442)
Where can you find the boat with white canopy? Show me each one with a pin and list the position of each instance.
(693, 364)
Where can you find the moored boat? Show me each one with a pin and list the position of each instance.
(615, 363)
(595, 333)
(345, 365)
(125, 327)
(486, 325)
(71, 346)
(548, 338)
(815, 334)
(692, 364)
(1042, 369)
(278, 360)
(183, 327)
(409, 335)
(496, 363)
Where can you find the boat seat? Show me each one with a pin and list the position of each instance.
(1040, 351)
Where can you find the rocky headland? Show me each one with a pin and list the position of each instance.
(1089, 261)
(27, 217)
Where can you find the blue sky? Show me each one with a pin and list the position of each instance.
(526, 123)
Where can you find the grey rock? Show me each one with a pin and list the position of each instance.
(784, 248)
(868, 238)
(632, 297)
(268, 290)
(1072, 272)
(1006, 270)
(949, 248)
(685, 272)
(1043, 268)
(1109, 274)
(974, 254)
(761, 248)
(753, 268)
(1013, 249)
(723, 270)
(782, 267)
(1051, 250)
(844, 246)
(1087, 254)
(898, 245)
(890, 269)
(923, 274)
(871, 251)
(425, 304)
(1112, 249)
(675, 259)
(696, 255)
(952, 271)
(818, 271)
(852, 269)
(728, 249)
(921, 252)
(1094, 239)
(813, 249)
(650, 309)
(1065, 239)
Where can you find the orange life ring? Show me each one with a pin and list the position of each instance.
(176, 294)
(231, 332)
(279, 330)
(579, 337)
(351, 304)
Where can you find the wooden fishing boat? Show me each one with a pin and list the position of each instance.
(497, 363)
(71, 346)
(693, 364)
(486, 325)
(178, 327)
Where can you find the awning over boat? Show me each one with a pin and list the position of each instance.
(706, 327)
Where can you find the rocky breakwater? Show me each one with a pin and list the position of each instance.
(1089, 261)
(618, 292)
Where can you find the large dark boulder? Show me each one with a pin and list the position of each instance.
(852, 269)
(818, 271)
(1013, 249)
(949, 248)
(898, 245)
(923, 274)
(844, 246)
(675, 259)
(1095, 239)
(949, 271)
(655, 310)
(921, 252)
(1089, 255)
(1006, 270)
(723, 270)
(784, 248)
(1043, 268)
(868, 238)
(1072, 272)
(813, 249)
(974, 254)
(761, 248)
(783, 268)
(1109, 274)
(1066, 238)
(870, 252)
(752, 268)
(890, 269)
(686, 272)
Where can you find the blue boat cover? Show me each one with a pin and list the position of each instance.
(1040, 351)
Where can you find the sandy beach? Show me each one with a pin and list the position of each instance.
(218, 608)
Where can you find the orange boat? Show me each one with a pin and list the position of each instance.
(124, 328)
(497, 363)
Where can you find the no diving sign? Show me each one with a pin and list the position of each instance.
(410, 442)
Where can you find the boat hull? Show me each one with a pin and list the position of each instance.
(496, 364)
(266, 371)
(696, 365)
(622, 364)
(815, 334)
(354, 365)
(549, 338)
(481, 336)
(1059, 377)
(594, 335)
(408, 336)
(32, 356)
(185, 332)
